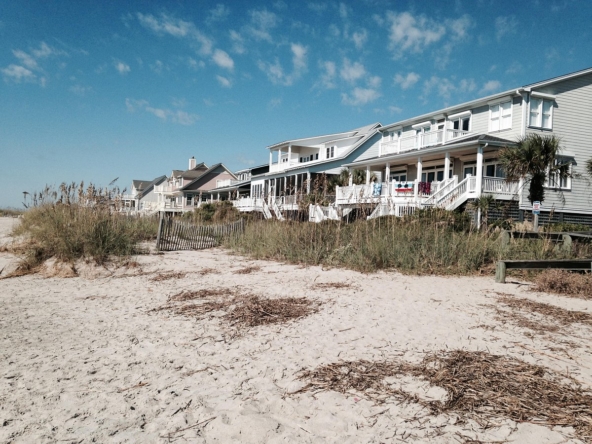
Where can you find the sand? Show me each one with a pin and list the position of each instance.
(87, 360)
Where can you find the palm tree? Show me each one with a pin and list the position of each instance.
(534, 158)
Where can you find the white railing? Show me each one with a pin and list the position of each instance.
(248, 203)
(274, 167)
(499, 185)
(472, 184)
(165, 188)
(226, 182)
(419, 141)
(442, 189)
(455, 134)
(404, 210)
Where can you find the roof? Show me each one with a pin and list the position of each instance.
(479, 138)
(204, 174)
(484, 100)
(140, 184)
(193, 173)
(330, 137)
(150, 185)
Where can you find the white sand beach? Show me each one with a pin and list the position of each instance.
(87, 360)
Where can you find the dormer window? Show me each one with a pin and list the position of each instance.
(330, 152)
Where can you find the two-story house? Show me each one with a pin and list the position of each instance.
(142, 199)
(446, 157)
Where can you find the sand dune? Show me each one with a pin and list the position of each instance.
(87, 360)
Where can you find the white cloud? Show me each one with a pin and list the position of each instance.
(223, 60)
(459, 28)
(343, 10)
(157, 66)
(298, 57)
(175, 27)
(275, 72)
(317, 7)
(80, 90)
(18, 74)
(409, 33)
(25, 59)
(220, 12)
(238, 43)
(407, 81)
(374, 81)
(491, 87)
(360, 38)
(505, 26)
(274, 103)
(262, 22)
(121, 67)
(327, 80)
(176, 116)
(395, 109)
(225, 82)
(444, 87)
(360, 96)
(351, 72)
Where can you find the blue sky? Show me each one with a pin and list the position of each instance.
(94, 90)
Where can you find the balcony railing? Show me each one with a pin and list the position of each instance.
(419, 141)
(227, 182)
(166, 188)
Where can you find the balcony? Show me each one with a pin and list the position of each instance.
(166, 188)
(421, 140)
(227, 182)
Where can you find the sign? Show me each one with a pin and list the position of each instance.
(536, 207)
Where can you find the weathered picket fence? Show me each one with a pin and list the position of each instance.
(177, 235)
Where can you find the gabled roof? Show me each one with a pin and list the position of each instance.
(196, 182)
(150, 185)
(140, 184)
(327, 137)
(193, 173)
(483, 100)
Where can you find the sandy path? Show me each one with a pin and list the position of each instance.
(86, 361)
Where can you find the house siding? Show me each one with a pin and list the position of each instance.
(572, 114)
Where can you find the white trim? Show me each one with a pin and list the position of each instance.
(543, 95)
(459, 115)
(500, 100)
(422, 124)
(500, 116)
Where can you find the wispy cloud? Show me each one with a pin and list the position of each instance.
(28, 69)
(360, 96)
(360, 38)
(444, 87)
(318, 7)
(223, 60)
(80, 90)
(219, 13)
(165, 114)
(168, 25)
(351, 72)
(505, 26)
(238, 43)
(415, 33)
(275, 72)
(262, 22)
(491, 87)
(327, 79)
(121, 67)
(406, 82)
(224, 81)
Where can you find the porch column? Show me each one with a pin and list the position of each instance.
(289, 154)
(279, 156)
(285, 185)
(308, 182)
(446, 165)
(479, 172)
(218, 197)
(418, 179)
(368, 175)
(387, 172)
(350, 179)
(296, 184)
(270, 158)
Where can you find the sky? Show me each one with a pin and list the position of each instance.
(97, 90)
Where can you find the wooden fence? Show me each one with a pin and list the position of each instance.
(176, 235)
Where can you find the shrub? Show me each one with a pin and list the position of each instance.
(564, 282)
(80, 223)
(217, 212)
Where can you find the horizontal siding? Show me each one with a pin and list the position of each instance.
(572, 118)
(368, 150)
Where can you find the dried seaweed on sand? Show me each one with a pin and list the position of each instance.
(248, 270)
(558, 314)
(188, 295)
(251, 311)
(165, 276)
(331, 285)
(479, 386)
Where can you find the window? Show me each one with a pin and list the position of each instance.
(460, 124)
(558, 180)
(541, 113)
(500, 116)
(330, 152)
(317, 156)
(189, 200)
(399, 176)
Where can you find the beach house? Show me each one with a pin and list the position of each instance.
(448, 157)
(142, 198)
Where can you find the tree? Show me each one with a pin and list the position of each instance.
(534, 158)
(589, 167)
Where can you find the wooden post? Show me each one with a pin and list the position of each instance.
(158, 235)
(500, 272)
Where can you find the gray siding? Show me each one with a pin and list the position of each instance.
(370, 149)
(572, 117)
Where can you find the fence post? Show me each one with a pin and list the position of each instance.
(158, 235)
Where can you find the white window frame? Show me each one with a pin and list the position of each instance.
(496, 122)
(555, 178)
(538, 123)
(330, 152)
(459, 117)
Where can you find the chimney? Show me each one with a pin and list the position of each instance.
(192, 163)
